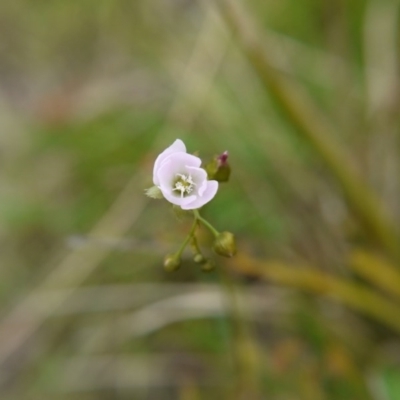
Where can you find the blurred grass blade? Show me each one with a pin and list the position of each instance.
(311, 124)
(376, 270)
(352, 295)
(380, 49)
(20, 323)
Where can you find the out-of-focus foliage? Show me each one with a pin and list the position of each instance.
(90, 93)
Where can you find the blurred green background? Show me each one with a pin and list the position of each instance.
(304, 94)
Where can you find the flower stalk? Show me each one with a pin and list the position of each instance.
(224, 243)
(172, 262)
(198, 217)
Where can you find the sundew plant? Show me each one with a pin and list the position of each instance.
(200, 200)
(178, 177)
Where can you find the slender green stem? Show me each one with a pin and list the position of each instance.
(205, 222)
(196, 248)
(188, 238)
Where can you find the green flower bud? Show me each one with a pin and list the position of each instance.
(219, 169)
(208, 266)
(198, 258)
(225, 244)
(172, 262)
(223, 173)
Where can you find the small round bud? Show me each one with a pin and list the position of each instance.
(225, 244)
(172, 262)
(208, 266)
(198, 258)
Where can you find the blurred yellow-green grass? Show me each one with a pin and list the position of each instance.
(304, 94)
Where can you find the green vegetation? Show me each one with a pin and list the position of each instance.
(303, 95)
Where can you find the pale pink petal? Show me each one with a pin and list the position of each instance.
(174, 164)
(209, 193)
(182, 160)
(166, 174)
(202, 188)
(176, 198)
(199, 175)
(176, 147)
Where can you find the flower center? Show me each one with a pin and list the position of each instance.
(184, 184)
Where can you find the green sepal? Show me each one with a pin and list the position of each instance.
(154, 192)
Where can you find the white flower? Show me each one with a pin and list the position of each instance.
(181, 180)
